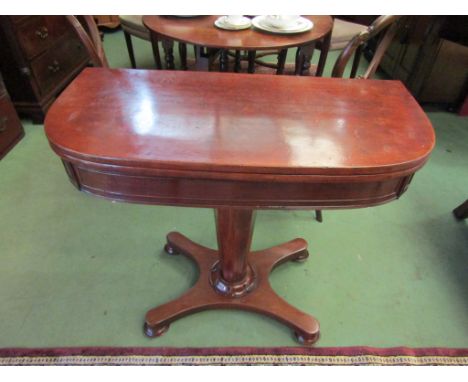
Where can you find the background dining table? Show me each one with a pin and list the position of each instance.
(202, 33)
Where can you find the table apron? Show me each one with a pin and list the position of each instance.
(359, 191)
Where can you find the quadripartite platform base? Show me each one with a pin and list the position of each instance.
(234, 280)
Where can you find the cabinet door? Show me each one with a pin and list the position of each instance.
(448, 77)
(402, 54)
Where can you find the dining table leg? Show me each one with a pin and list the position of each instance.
(251, 55)
(303, 57)
(234, 277)
(223, 60)
(281, 61)
(168, 46)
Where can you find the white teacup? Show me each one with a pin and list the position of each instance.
(282, 21)
(235, 20)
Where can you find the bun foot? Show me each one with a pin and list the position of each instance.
(303, 256)
(306, 339)
(170, 250)
(155, 332)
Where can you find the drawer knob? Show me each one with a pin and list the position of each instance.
(42, 33)
(55, 67)
(3, 124)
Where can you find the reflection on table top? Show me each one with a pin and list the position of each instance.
(240, 123)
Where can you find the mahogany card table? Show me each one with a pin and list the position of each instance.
(237, 143)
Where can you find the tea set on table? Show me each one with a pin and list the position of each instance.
(282, 24)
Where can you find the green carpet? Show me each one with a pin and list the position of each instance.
(77, 270)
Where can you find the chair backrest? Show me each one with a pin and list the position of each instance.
(387, 24)
(88, 33)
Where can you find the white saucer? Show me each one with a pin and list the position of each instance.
(223, 24)
(302, 25)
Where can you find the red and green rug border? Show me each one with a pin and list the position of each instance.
(359, 355)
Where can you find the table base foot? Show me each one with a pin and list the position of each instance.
(306, 338)
(155, 331)
(259, 298)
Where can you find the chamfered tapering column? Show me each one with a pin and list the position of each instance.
(232, 275)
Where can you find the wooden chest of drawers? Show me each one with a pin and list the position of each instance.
(40, 55)
(430, 56)
(11, 130)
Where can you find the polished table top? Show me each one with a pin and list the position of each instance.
(202, 31)
(240, 123)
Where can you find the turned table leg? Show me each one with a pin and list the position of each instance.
(168, 46)
(303, 57)
(281, 61)
(223, 60)
(234, 278)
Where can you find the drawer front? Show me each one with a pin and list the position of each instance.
(57, 63)
(38, 33)
(10, 125)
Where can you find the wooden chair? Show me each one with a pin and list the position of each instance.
(86, 30)
(387, 24)
(342, 33)
(132, 25)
